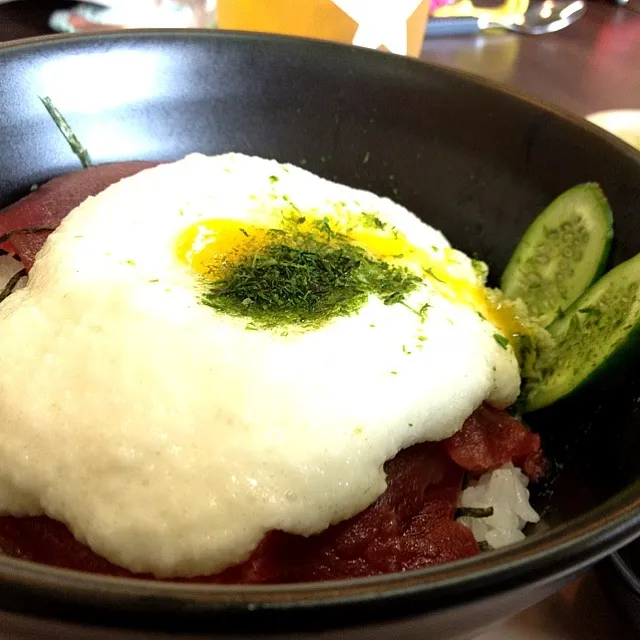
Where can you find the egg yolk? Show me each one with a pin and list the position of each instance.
(394, 246)
(211, 246)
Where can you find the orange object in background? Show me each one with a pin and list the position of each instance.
(397, 26)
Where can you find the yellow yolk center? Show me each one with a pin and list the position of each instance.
(211, 246)
(438, 270)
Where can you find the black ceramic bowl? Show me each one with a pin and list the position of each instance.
(620, 576)
(475, 160)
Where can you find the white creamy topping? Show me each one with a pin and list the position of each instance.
(170, 438)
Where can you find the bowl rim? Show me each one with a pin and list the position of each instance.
(557, 552)
(626, 573)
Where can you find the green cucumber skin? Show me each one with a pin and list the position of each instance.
(615, 361)
(606, 210)
(512, 273)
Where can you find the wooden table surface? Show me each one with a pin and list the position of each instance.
(592, 65)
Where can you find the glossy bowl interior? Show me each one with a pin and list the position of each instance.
(472, 159)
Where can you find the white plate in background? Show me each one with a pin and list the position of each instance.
(624, 123)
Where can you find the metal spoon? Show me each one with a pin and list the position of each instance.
(539, 18)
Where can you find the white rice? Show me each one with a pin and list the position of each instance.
(506, 491)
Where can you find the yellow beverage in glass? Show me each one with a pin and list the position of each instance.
(391, 25)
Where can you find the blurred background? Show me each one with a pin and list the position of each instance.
(104, 14)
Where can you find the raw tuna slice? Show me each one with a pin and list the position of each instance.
(410, 526)
(50, 203)
(490, 438)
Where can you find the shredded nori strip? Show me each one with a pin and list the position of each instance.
(15, 232)
(13, 281)
(474, 512)
(11, 285)
(65, 129)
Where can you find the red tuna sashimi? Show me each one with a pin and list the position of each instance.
(491, 438)
(50, 203)
(410, 526)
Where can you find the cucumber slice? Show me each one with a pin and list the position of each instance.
(563, 252)
(595, 337)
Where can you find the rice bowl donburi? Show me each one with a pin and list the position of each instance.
(229, 367)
